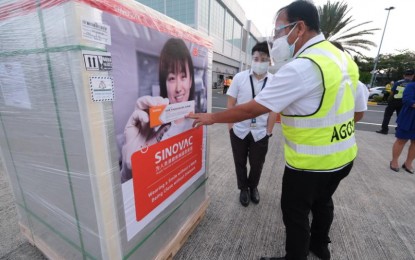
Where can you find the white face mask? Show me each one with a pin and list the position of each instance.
(260, 68)
(282, 52)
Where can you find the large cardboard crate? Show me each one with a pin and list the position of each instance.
(70, 75)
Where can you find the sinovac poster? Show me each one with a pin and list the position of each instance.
(159, 77)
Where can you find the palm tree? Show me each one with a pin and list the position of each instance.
(335, 24)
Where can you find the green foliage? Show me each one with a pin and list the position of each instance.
(390, 66)
(365, 77)
(378, 99)
(336, 25)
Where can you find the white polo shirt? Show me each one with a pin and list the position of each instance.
(362, 93)
(296, 89)
(241, 90)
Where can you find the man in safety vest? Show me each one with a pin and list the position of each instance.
(316, 91)
(387, 91)
(395, 100)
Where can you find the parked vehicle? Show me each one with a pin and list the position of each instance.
(376, 92)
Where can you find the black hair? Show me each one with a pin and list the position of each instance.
(175, 56)
(409, 72)
(302, 10)
(261, 47)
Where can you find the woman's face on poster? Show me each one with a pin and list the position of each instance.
(178, 84)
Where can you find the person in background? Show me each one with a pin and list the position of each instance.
(317, 93)
(177, 84)
(395, 100)
(226, 83)
(405, 131)
(249, 138)
(387, 91)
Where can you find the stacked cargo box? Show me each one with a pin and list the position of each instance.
(71, 73)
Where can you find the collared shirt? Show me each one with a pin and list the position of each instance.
(363, 94)
(296, 89)
(241, 90)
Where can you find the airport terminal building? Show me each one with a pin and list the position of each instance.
(225, 22)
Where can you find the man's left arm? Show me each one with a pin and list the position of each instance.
(358, 116)
(362, 95)
(231, 103)
(272, 118)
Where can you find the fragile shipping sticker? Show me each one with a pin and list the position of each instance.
(102, 88)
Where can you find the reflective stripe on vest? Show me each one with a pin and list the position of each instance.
(324, 140)
(400, 90)
(329, 149)
(319, 122)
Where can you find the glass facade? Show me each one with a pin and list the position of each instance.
(228, 28)
(251, 44)
(204, 10)
(237, 35)
(180, 10)
(213, 18)
(217, 16)
(154, 4)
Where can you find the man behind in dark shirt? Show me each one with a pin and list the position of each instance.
(395, 100)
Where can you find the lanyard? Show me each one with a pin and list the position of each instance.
(252, 85)
(253, 120)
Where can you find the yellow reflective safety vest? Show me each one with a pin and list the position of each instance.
(325, 140)
(400, 88)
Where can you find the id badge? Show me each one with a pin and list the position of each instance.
(253, 122)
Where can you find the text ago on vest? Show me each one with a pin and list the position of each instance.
(342, 132)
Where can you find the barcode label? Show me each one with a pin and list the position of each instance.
(96, 32)
(96, 25)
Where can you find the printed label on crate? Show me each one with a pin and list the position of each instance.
(102, 88)
(161, 169)
(96, 32)
(97, 61)
(13, 85)
(168, 113)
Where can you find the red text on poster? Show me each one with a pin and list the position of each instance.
(160, 169)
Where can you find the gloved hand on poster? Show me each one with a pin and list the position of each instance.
(138, 133)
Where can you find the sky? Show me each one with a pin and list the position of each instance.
(399, 33)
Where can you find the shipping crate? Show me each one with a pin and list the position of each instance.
(76, 82)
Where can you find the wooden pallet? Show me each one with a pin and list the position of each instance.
(166, 254)
(178, 241)
(39, 243)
